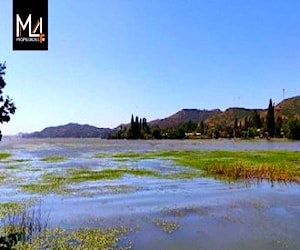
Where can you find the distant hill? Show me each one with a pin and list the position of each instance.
(287, 108)
(71, 130)
(184, 115)
(228, 117)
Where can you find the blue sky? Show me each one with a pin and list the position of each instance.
(108, 59)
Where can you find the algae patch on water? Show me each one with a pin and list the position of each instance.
(53, 158)
(167, 226)
(2, 176)
(83, 238)
(4, 155)
(56, 182)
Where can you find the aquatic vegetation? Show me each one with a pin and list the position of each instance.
(12, 167)
(101, 155)
(83, 238)
(269, 165)
(20, 160)
(2, 176)
(182, 175)
(20, 222)
(233, 165)
(56, 182)
(81, 175)
(49, 183)
(53, 158)
(184, 211)
(11, 161)
(4, 155)
(10, 207)
(130, 155)
(25, 227)
(166, 225)
(166, 154)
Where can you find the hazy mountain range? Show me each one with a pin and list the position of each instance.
(287, 108)
(71, 130)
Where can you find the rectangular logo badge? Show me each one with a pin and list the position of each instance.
(30, 25)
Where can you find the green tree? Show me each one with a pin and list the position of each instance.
(246, 124)
(7, 106)
(129, 134)
(278, 126)
(156, 132)
(255, 120)
(136, 130)
(179, 133)
(235, 126)
(270, 119)
(292, 129)
(201, 128)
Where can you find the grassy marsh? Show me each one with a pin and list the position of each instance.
(232, 165)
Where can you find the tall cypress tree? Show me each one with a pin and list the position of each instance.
(270, 120)
(257, 119)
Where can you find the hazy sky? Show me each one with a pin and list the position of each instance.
(108, 59)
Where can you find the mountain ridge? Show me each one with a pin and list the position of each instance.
(70, 130)
(287, 108)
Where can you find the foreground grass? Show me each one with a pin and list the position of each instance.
(232, 165)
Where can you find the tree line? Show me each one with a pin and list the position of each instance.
(253, 126)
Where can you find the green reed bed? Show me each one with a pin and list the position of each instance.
(20, 221)
(232, 165)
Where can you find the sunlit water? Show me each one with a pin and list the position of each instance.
(210, 214)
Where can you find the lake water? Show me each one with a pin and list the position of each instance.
(206, 213)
